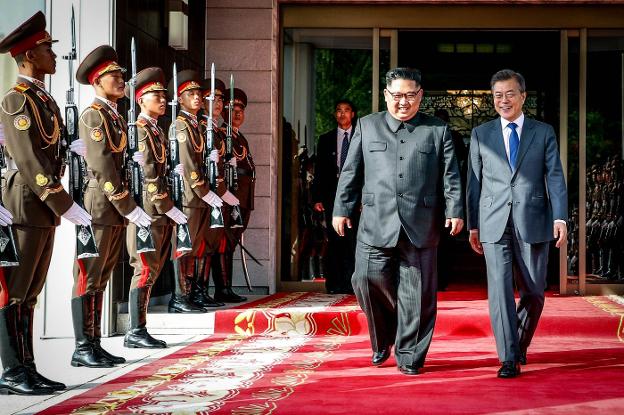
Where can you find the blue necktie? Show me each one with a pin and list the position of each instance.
(344, 149)
(514, 143)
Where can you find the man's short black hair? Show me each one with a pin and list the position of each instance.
(409, 74)
(347, 102)
(507, 74)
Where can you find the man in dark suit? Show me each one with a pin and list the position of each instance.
(331, 154)
(517, 204)
(402, 166)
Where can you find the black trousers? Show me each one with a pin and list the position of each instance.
(340, 258)
(396, 288)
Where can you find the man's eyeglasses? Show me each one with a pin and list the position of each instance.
(509, 95)
(409, 96)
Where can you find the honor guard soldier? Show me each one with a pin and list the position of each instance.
(245, 185)
(33, 193)
(215, 233)
(107, 200)
(152, 155)
(198, 198)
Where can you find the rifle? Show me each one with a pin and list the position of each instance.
(144, 240)
(216, 216)
(85, 239)
(183, 235)
(231, 176)
(9, 256)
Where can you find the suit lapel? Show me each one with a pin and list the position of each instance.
(498, 143)
(528, 134)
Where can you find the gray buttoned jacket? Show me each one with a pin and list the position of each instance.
(405, 175)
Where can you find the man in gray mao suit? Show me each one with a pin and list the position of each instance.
(517, 204)
(401, 166)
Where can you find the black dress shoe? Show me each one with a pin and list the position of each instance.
(509, 369)
(141, 339)
(85, 355)
(226, 295)
(18, 381)
(41, 381)
(116, 360)
(181, 304)
(381, 356)
(408, 369)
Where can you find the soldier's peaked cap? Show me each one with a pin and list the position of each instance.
(240, 97)
(219, 86)
(150, 79)
(28, 35)
(100, 61)
(188, 79)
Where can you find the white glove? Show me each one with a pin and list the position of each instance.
(79, 147)
(139, 217)
(6, 218)
(77, 215)
(1, 134)
(212, 199)
(177, 216)
(214, 156)
(230, 199)
(138, 157)
(232, 162)
(179, 169)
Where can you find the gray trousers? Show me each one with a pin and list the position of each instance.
(508, 258)
(396, 288)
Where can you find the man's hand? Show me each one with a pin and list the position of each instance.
(318, 207)
(560, 232)
(456, 224)
(475, 244)
(339, 222)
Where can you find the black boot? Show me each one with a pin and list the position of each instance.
(97, 330)
(223, 291)
(180, 301)
(15, 377)
(28, 356)
(137, 336)
(83, 316)
(199, 285)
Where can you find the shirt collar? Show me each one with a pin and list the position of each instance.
(111, 104)
(519, 122)
(348, 131)
(151, 120)
(191, 116)
(394, 124)
(39, 84)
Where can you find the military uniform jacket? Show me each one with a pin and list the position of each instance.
(33, 124)
(191, 145)
(218, 143)
(246, 170)
(156, 199)
(107, 198)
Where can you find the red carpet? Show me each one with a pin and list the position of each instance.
(310, 354)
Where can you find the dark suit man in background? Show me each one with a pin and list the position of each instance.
(331, 154)
(402, 166)
(517, 204)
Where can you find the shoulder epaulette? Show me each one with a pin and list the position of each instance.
(96, 107)
(21, 87)
(141, 122)
(180, 117)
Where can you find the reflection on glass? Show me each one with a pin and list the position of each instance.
(605, 178)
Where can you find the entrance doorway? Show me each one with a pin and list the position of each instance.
(321, 67)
